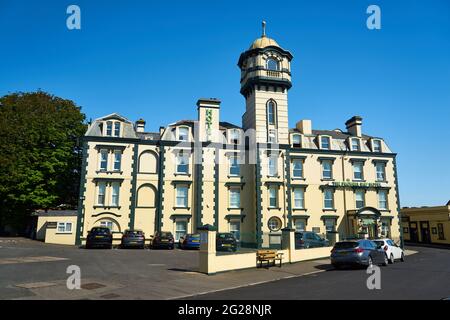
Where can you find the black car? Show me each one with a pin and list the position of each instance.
(99, 237)
(133, 239)
(309, 239)
(163, 239)
(357, 252)
(226, 242)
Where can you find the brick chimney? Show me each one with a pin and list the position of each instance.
(304, 126)
(140, 125)
(354, 126)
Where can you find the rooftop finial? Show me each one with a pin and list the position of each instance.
(263, 28)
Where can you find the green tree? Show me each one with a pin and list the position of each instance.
(40, 156)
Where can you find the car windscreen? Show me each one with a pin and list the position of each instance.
(225, 236)
(346, 245)
(100, 230)
(166, 235)
(133, 233)
(193, 236)
(379, 242)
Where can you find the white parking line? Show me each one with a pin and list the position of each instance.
(29, 260)
(246, 285)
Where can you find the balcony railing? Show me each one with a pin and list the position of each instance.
(273, 74)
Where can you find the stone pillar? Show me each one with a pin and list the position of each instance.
(207, 251)
(288, 243)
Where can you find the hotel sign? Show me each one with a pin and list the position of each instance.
(208, 122)
(356, 184)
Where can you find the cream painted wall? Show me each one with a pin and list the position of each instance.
(51, 235)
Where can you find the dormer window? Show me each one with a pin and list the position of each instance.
(112, 129)
(272, 64)
(109, 125)
(325, 143)
(297, 140)
(234, 136)
(117, 129)
(376, 145)
(183, 134)
(355, 144)
(271, 112)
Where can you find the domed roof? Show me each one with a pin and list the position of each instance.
(263, 42)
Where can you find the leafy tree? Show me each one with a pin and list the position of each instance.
(40, 155)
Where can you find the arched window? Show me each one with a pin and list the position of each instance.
(271, 112)
(272, 64)
(109, 223)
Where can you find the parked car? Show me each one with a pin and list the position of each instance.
(190, 241)
(357, 252)
(393, 251)
(99, 237)
(226, 242)
(309, 239)
(163, 239)
(133, 238)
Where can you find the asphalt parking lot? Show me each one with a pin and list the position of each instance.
(34, 270)
(107, 269)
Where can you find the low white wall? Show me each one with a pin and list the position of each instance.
(229, 262)
(310, 254)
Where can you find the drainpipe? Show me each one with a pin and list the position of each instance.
(284, 190)
(347, 227)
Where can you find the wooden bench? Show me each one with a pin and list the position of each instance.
(268, 256)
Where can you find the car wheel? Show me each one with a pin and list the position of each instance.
(392, 260)
(402, 259)
(386, 260)
(336, 266)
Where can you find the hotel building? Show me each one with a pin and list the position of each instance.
(252, 179)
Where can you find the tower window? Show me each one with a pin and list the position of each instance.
(271, 112)
(272, 64)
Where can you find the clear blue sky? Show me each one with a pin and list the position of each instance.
(153, 59)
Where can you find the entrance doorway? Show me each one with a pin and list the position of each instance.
(413, 232)
(425, 232)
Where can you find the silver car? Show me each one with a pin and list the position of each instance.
(357, 252)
